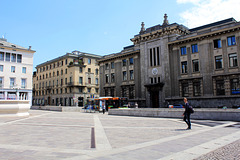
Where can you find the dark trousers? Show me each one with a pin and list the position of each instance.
(187, 120)
(103, 111)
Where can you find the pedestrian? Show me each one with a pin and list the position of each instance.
(136, 105)
(103, 109)
(187, 113)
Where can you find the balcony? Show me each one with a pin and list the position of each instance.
(76, 62)
(75, 84)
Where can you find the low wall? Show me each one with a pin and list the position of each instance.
(14, 107)
(204, 113)
(59, 108)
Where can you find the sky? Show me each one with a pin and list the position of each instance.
(56, 27)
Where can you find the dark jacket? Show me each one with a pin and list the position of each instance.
(187, 109)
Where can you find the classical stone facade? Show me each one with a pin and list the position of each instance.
(175, 62)
(67, 80)
(16, 66)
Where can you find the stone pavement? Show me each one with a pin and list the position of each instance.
(78, 136)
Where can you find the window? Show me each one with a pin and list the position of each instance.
(46, 75)
(53, 83)
(217, 43)
(131, 92)
(218, 62)
(13, 57)
(124, 92)
(233, 60)
(96, 71)
(89, 90)
(49, 75)
(65, 71)
(19, 58)
(131, 61)
(131, 75)
(61, 72)
(89, 80)
(151, 80)
(194, 48)
(112, 92)
(24, 69)
(80, 80)
(13, 69)
(106, 66)
(220, 87)
(89, 61)
(70, 79)
(65, 80)
(96, 80)
(184, 67)
(43, 77)
(7, 57)
(235, 86)
(89, 70)
(96, 90)
(183, 50)
(124, 62)
(23, 83)
(80, 69)
(112, 65)
(1, 82)
(106, 92)
(61, 82)
(80, 90)
(12, 82)
(231, 40)
(57, 73)
(124, 75)
(1, 68)
(66, 61)
(185, 90)
(154, 56)
(1, 56)
(195, 65)
(112, 77)
(107, 78)
(57, 82)
(196, 89)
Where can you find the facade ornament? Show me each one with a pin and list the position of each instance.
(165, 21)
(143, 28)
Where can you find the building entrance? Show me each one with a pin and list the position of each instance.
(154, 90)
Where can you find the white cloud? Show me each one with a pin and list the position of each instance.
(209, 11)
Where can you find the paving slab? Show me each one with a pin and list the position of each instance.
(79, 135)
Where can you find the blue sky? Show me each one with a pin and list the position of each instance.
(54, 27)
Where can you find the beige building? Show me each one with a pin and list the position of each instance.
(67, 80)
(16, 66)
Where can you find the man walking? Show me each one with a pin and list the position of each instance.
(187, 113)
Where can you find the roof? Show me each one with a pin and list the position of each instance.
(213, 24)
(3, 42)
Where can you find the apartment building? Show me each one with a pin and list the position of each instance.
(67, 80)
(16, 66)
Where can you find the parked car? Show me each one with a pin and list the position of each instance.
(176, 106)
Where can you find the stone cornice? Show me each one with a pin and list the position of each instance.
(159, 33)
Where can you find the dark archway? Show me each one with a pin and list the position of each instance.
(154, 90)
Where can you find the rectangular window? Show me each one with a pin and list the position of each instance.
(80, 90)
(131, 75)
(1, 82)
(233, 60)
(96, 90)
(151, 79)
(70, 79)
(106, 92)
(112, 77)
(231, 40)
(112, 92)
(12, 82)
(96, 71)
(217, 43)
(112, 65)
(106, 66)
(89, 61)
(1, 68)
(220, 87)
(24, 70)
(23, 83)
(194, 48)
(184, 67)
(80, 69)
(19, 58)
(124, 92)
(154, 56)
(183, 50)
(158, 56)
(96, 80)
(107, 78)
(89, 90)
(1, 56)
(124, 75)
(13, 57)
(218, 62)
(124, 62)
(7, 57)
(66, 61)
(185, 90)
(235, 86)
(65, 80)
(80, 80)
(195, 64)
(89, 70)
(131, 61)
(151, 64)
(131, 92)
(13, 69)
(196, 89)
(65, 71)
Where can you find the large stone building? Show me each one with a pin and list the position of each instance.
(16, 66)
(173, 62)
(66, 80)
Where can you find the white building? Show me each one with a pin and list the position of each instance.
(16, 67)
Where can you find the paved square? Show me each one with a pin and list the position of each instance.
(74, 135)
